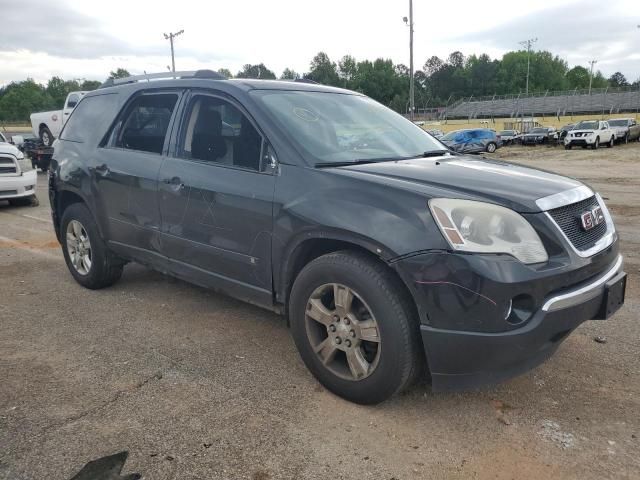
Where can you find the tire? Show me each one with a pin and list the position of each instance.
(567, 147)
(596, 144)
(626, 138)
(610, 144)
(105, 268)
(46, 137)
(491, 147)
(392, 362)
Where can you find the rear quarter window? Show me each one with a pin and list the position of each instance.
(91, 118)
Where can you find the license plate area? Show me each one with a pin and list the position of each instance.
(613, 299)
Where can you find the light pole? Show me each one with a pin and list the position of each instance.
(528, 44)
(592, 62)
(409, 23)
(170, 37)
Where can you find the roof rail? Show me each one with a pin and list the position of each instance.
(306, 80)
(208, 74)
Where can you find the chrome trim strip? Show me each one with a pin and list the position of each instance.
(564, 198)
(582, 294)
(601, 244)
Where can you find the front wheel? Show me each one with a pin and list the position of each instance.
(567, 147)
(491, 147)
(355, 327)
(596, 144)
(87, 256)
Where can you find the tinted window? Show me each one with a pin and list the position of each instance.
(86, 120)
(144, 123)
(217, 131)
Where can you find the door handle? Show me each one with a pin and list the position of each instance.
(174, 183)
(103, 170)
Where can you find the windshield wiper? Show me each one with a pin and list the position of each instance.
(436, 153)
(343, 164)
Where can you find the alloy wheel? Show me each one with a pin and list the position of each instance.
(79, 247)
(342, 331)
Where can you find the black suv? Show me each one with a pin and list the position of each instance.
(390, 256)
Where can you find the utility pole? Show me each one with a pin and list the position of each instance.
(409, 23)
(528, 43)
(592, 62)
(170, 37)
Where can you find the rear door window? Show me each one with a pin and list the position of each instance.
(144, 123)
(90, 119)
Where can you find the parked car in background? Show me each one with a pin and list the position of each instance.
(18, 179)
(626, 129)
(562, 133)
(510, 137)
(436, 133)
(590, 133)
(540, 136)
(48, 125)
(472, 140)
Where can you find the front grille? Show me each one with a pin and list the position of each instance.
(7, 165)
(4, 193)
(568, 219)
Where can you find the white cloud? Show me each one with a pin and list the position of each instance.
(88, 38)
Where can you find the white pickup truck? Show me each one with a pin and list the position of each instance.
(590, 133)
(18, 179)
(48, 125)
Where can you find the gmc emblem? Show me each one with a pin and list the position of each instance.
(591, 218)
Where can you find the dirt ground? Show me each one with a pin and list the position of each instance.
(199, 386)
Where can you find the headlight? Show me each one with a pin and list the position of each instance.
(482, 227)
(25, 164)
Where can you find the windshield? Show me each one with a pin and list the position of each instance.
(539, 130)
(505, 133)
(589, 125)
(334, 127)
(451, 135)
(618, 123)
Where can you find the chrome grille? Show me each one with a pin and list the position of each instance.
(7, 165)
(568, 219)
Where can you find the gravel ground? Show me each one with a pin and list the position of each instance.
(199, 386)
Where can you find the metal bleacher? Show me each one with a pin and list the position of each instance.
(575, 102)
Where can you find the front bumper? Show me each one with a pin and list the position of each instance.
(580, 141)
(19, 185)
(464, 303)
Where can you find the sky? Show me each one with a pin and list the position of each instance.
(86, 39)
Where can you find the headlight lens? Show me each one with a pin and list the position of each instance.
(25, 164)
(480, 227)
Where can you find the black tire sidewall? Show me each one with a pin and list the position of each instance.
(99, 270)
(393, 325)
(48, 132)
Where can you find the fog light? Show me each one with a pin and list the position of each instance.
(522, 307)
(29, 187)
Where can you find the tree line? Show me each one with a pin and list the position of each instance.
(437, 83)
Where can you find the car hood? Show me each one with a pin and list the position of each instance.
(7, 148)
(505, 184)
(583, 131)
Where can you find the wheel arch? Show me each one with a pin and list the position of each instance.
(307, 249)
(61, 200)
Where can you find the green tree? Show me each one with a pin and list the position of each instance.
(618, 80)
(19, 99)
(256, 71)
(226, 72)
(119, 73)
(289, 74)
(577, 77)
(323, 70)
(90, 85)
(347, 70)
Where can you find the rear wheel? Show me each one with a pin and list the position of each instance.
(88, 258)
(355, 327)
(46, 137)
(610, 144)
